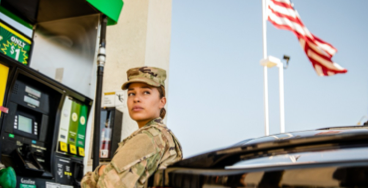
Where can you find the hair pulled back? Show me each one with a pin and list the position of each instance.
(161, 90)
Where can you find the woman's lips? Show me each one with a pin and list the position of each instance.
(137, 108)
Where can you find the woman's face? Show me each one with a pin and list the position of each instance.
(144, 102)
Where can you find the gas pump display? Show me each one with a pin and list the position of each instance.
(13, 44)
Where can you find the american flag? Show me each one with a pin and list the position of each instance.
(282, 15)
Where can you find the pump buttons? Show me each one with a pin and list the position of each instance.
(73, 149)
(63, 146)
(81, 151)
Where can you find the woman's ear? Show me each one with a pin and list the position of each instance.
(162, 102)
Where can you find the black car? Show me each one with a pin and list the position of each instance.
(329, 157)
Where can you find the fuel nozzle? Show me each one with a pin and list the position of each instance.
(8, 178)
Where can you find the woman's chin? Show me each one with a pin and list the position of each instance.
(138, 117)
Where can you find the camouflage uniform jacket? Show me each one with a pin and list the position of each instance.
(151, 147)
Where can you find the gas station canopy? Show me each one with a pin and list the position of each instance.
(36, 11)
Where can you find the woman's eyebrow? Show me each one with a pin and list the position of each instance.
(143, 87)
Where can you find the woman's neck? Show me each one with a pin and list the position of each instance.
(144, 122)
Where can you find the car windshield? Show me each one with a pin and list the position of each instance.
(347, 154)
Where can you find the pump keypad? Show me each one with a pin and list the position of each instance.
(35, 128)
(16, 122)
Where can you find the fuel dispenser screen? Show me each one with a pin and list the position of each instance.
(25, 124)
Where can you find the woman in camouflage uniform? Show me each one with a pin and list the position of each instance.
(153, 146)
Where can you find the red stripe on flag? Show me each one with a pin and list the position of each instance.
(324, 69)
(298, 35)
(287, 27)
(281, 4)
(318, 51)
(325, 43)
(295, 20)
(321, 41)
(323, 60)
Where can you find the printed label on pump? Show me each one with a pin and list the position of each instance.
(27, 186)
(63, 171)
(73, 124)
(14, 44)
(81, 135)
(105, 144)
(64, 121)
(52, 185)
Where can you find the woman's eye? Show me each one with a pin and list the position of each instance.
(130, 94)
(147, 92)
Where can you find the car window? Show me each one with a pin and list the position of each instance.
(347, 154)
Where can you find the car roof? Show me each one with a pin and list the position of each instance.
(337, 135)
(309, 134)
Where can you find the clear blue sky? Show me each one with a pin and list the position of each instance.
(216, 83)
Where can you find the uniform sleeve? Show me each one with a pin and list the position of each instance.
(90, 179)
(133, 162)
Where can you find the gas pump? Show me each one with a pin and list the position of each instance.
(29, 144)
(44, 122)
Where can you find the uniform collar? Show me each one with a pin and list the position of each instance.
(155, 121)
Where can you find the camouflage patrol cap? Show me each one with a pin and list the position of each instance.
(150, 75)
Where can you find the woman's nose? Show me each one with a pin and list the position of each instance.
(136, 98)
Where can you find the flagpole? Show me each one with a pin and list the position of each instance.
(264, 20)
(281, 88)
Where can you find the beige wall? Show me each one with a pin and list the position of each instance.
(142, 37)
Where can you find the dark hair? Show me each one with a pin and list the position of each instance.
(161, 90)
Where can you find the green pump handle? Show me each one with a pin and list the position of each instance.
(8, 178)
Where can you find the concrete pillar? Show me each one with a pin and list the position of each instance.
(142, 37)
